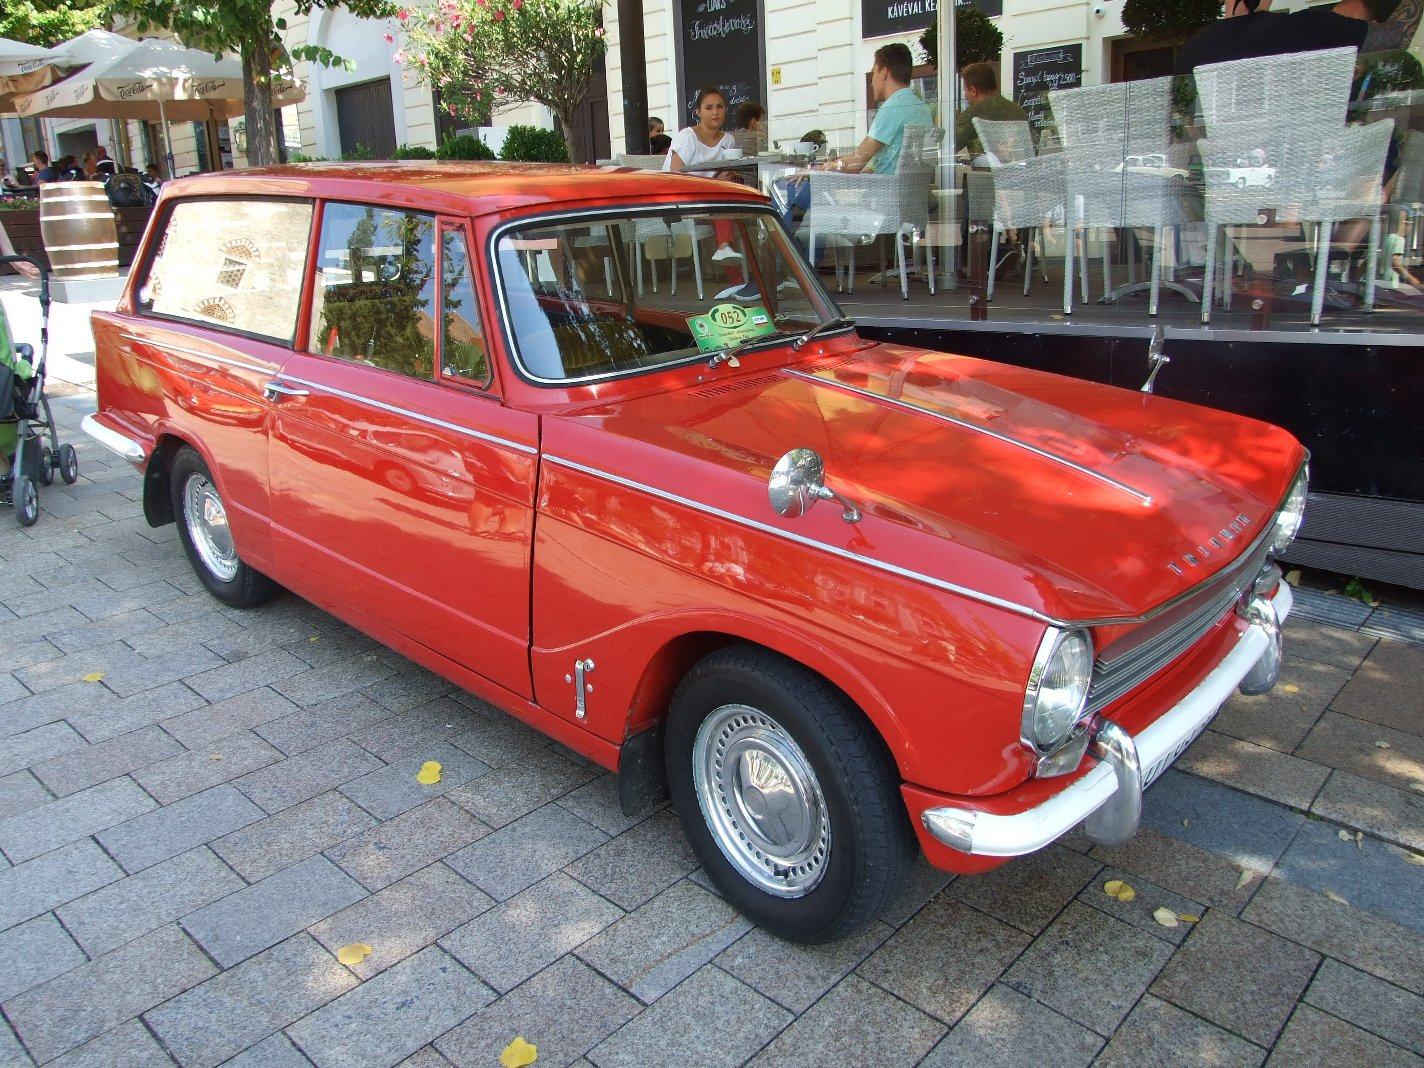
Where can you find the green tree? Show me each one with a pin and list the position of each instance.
(25, 20)
(247, 28)
(977, 40)
(479, 53)
(1169, 21)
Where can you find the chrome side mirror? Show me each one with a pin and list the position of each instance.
(798, 481)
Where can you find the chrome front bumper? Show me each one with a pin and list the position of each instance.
(1109, 797)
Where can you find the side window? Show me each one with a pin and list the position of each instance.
(234, 264)
(462, 352)
(374, 298)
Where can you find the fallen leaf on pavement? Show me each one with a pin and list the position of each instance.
(1187, 917)
(93, 676)
(1344, 836)
(1118, 889)
(1291, 687)
(1165, 916)
(1246, 876)
(1383, 745)
(1333, 896)
(429, 773)
(519, 1053)
(1415, 859)
(354, 953)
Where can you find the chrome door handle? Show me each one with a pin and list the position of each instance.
(273, 390)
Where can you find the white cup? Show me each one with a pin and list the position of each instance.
(732, 153)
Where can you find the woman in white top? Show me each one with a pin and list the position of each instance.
(707, 142)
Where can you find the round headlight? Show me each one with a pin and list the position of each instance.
(1057, 688)
(1292, 512)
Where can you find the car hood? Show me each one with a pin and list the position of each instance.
(1074, 500)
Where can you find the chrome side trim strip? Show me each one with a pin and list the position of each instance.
(1145, 498)
(480, 435)
(765, 528)
(112, 440)
(225, 360)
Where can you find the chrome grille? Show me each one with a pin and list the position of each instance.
(1138, 656)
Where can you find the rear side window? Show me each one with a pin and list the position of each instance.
(233, 264)
(374, 298)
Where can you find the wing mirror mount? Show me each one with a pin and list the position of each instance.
(798, 481)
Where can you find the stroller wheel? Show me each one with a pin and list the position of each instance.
(47, 466)
(27, 501)
(68, 464)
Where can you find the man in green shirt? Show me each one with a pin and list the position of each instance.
(981, 90)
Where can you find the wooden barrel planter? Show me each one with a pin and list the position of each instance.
(79, 232)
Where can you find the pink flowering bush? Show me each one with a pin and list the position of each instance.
(483, 54)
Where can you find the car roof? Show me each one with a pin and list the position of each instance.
(473, 188)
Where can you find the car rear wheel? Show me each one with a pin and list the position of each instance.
(787, 795)
(207, 538)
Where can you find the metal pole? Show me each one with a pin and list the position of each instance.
(948, 82)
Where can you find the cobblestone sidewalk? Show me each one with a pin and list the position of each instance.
(199, 806)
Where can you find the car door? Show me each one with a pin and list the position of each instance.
(216, 311)
(402, 489)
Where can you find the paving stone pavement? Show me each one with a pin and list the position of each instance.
(186, 842)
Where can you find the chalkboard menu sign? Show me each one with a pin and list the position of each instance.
(719, 43)
(884, 18)
(1041, 70)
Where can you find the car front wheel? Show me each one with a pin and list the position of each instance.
(207, 538)
(787, 795)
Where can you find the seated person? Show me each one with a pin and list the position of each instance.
(751, 118)
(1261, 32)
(900, 106)
(660, 144)
(981, 90)
(1394, 273)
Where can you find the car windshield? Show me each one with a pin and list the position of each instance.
(630, 292)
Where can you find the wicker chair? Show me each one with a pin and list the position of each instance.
(1108, 131)
(1025, 188)
(1301, 163)
(848, 210)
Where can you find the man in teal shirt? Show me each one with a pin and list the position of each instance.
(899, 107)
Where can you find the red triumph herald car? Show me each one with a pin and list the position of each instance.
(536, 428)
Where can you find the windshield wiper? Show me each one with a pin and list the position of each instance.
(730, 355)
(820, 328)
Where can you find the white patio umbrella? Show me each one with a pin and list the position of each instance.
(26, 67)
(151, 79)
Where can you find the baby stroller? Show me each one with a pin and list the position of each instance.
(25, 418)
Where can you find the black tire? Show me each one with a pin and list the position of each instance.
(202, 527)
(47, 466)
(846, 848)
(27, 501)
(68, 464)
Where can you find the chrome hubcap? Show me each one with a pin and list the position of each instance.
(761, 800)
(206, 519)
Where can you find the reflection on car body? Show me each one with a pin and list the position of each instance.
(842, 601)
